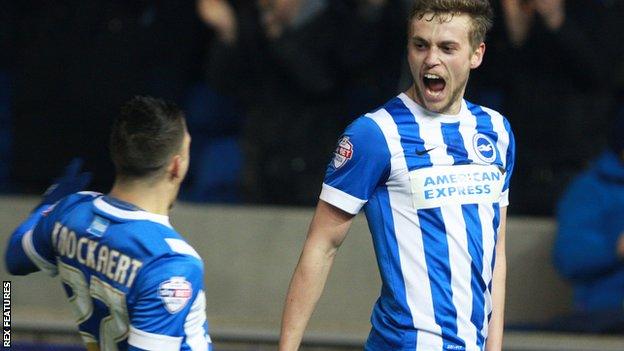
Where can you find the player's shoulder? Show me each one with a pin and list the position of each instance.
(71, 202)
(174, 257)
(147, 234)
(370, 125)
(179, 247)
(495, 116)
(156, 240)
(79, 197)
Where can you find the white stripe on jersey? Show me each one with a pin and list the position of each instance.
(31, 252)
(409, 240)
(196, 337)
(502, 143)
(102, 205)
(153, 342)
(503, 136)
(182, 247)
(92, 193)
(344, 201)
(467, 129)
(430, 133)
(461, 271)
(487, 211)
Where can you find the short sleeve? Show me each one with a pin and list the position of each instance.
(510, 159)
(361, 162)
(167, 307)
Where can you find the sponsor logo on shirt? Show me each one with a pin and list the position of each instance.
(175, 293)
(343, 153)
(460, 184)
(484, 148)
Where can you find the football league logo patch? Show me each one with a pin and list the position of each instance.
(175, 293)
(484, 148)
(343, 152)
(98, 226)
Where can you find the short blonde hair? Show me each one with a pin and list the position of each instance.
(479, 11)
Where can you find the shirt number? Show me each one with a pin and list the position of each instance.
(113, 327)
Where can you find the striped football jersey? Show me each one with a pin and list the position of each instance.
(133, 282)
(431, 186)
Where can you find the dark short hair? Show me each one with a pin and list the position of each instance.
(480, 12)
(145, 135)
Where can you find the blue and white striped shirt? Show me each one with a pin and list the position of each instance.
(133, 282)
(432, 186)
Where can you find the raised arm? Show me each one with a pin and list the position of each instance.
(326, 233)
(21, 256)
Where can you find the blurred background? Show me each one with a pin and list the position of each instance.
(268, 86)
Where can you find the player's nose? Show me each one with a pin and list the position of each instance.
(432, 57)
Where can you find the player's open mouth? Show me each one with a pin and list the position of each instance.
(434, 84)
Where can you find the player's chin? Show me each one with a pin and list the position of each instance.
(437, 103)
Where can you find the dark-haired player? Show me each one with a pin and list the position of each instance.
(133, 282)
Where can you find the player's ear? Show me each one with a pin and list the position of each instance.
(175, 167)
(477, 56)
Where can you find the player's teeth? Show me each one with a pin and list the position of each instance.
(432, 76)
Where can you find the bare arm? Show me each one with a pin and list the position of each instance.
(495, 329)
(327, 231)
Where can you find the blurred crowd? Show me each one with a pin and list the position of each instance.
(268, 85)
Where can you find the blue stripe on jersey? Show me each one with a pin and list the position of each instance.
(455, 143)
(435, 243)
(484, 126)
(495, 223)
(475, 249)
(409, 130)
(387, 252)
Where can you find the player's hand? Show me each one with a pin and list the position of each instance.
(70, 182)
(220, 16)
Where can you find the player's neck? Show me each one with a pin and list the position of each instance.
(154, 198)
(452, 110)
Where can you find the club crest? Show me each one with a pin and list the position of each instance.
(484, 148)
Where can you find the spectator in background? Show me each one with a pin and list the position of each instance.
(589, 249)
(560, 91)
(73, 62)
(292, 63)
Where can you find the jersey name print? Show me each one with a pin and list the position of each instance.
(132, 281)
(432, 187)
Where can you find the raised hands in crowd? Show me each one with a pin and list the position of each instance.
(520, 15)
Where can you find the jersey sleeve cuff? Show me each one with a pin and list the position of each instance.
(150, 341)
(504, 199)
(33, 255)
(340, 199)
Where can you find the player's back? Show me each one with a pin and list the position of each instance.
(131, 279)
